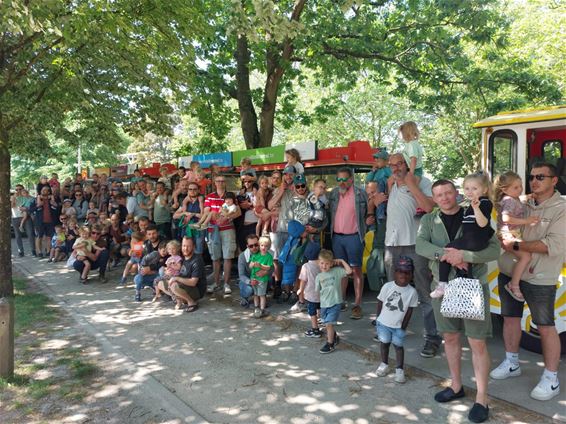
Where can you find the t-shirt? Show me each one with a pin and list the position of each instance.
(513, 208)
(452, 223)
(413, 149)
(329, 286)
(229, 208)
(266, 260)
(193, 267)
(470, 227)
(402, 224)
(215, 202)
(152, 260)
(137, 249)
(308, 273)
(396, 302)
(161, 214)
(171, 262)
(142, 199)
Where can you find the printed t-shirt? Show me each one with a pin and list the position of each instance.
(266, 260)
(215, 202)
(329, 286)
(396, 302)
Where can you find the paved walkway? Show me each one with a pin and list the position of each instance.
(229, 367)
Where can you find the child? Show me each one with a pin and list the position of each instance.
(380, 174)
(261, 261)
(260, 208)
(83, 245)
(510, 218)
(25, 202)
(71, 232)
(228, 210)
(137, 177)
(190, 174)
(172, 268)
(164, 178)
(317, 204)
(293, 158)
(58, 250)
(92, 208)
(395, 305)
(307, 290)
(412, 151)
(136, 252)
(246, 168)
(328, 284)
(476, 228)
(68, 208)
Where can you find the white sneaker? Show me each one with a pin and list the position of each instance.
(382, 370)
(399, 376)
(297, 307)
(546, 389)
(210, 289)
(505, 370)
(227, 289)
(257, 313)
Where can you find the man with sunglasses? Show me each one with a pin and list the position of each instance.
(546, 242)
(81, 205)
(18, 204)
(348, 213)
(244, 271)
(98, 258)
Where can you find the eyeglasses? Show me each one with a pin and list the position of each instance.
(62, 219)
(251, 246)
(396, 164)
(300, 185)
(78, 194)
(342, 179)
(539, 177)
(94, 233)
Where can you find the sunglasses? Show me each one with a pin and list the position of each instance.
(539, 177)
(251, 246)
(94, 233)
(342, 179)
(78, 195)
(300, 185)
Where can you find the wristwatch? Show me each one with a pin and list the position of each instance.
(516, 246)
(437, 256)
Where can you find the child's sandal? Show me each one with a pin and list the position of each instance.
(517, 295)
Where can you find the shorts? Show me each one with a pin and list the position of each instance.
(134, 260)
(330, 315)
(540, 300)
(278, 240)
(192, 292)
(260, 289)
(45, 229)
(226, 249)
(312, 307)
(391, 335)
(473, 329)
(348, 247)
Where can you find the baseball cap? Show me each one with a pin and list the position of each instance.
(67, 200)
(299, 179)
(290, 169)
(381, 153)
(404, 263)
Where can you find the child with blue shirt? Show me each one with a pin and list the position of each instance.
(328, 284)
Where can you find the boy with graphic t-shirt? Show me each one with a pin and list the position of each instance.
(328, 284)
(261, 261)
(395, 305)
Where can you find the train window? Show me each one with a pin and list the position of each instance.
(502, 152)
(552, 150)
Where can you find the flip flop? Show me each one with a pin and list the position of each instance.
(518, 298)
(191, 308)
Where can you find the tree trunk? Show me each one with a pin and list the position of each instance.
(267, 115)
(248, 116)
(6, 287)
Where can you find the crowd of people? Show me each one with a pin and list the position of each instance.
(276, 226)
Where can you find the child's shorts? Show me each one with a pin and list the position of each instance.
(260, 289)
(390, 335)
(134, 260)
(330, 315)
(312, 307)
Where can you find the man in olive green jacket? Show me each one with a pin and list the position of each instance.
(436, 230)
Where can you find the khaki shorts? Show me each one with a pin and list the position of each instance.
(227, 247)
(470, 328)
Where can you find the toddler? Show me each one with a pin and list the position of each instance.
(293, 158)
(380, 174)
(246, 168)
(412, 151)
(57, 252)
(68, 209)
(262, 198)
(328, 284)
(25, 202)
(228, 210)
(172, 269)
(307, 289)
(92, 208)
(164, 178)
(395, 304)
(136, 253)
(83, 245)
(476, 228)
(261, 261)
(317, 204)
(510, 218)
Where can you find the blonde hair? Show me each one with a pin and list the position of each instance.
(326, 255)
(265, 240)
(502, 183)
(174, 244)
(261, 178)
(409, 131)
(483, 179)
(294, 153)
(84, 231)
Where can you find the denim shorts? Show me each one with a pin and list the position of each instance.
(312, 307)
(330, 315)
(390, 335)
(348, 247)
(539, 298)
(134, 260)
(260, 289)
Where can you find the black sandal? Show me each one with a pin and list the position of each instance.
(191, 308)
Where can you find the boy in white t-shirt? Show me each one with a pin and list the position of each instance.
(395, 305)
(307, 287)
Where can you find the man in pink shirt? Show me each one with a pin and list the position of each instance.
(348, 213)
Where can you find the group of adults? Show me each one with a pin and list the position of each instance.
(350, 211)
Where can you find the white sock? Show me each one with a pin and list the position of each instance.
(551, 375)
(512, 357)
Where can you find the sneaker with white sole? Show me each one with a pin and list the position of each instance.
(257, 313)
(227, 289)
(400, 376)
(382, 370)
(298, 307)
(546, 389)
(505, 370)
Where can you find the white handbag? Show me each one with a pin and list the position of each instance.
(463, 298)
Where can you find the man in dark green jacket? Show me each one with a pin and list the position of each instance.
(436, 230)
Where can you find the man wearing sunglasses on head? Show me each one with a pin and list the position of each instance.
(348, 212)
(546, 241)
